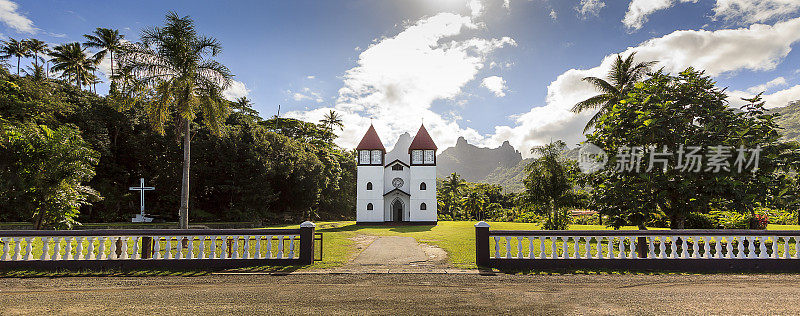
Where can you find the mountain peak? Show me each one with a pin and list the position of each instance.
(475, 163)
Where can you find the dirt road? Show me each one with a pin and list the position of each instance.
(405, 294)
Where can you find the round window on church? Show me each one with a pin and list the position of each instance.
(397, 182)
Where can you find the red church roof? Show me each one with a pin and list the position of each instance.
(371, 140)
(423, 140)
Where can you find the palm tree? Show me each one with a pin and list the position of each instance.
(451, 188)
(36, 47)
(474, 202)
(72, 61)
(332, 119)
(621, 78)
(14, 48)
(175, 62)
(108, 41)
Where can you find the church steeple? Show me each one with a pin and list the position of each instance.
(370, 149)
(422, 149)
(371, 140)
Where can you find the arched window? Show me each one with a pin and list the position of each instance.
(369, 185)
(423, 207)
(369, 206)
(423, 186)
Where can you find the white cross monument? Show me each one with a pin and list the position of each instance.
(141, 218)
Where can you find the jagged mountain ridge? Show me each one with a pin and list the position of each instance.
(789, 120)
(502, 165)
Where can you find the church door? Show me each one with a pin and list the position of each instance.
(397, 211)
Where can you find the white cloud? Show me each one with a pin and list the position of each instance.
(553, 14)
(638, 10)
(13, 19)
(507, 4)
(397, 79)
(778, 99)
(236, 90)
(307, 94)
(475, 7)
(777, 82)
(752, 11)
(310, 77)
(495, 84)
(758, 48)
(590, 8)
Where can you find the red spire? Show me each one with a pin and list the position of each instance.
(423, 140)
(371, 140)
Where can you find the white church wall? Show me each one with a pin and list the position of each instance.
(418, 175)
(390, 175)
(372, 174)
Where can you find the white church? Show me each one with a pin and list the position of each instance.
(398, 186)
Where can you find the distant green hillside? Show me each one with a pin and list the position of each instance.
(789, 120)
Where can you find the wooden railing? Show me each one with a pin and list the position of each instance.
(710, 250)
(190, 248)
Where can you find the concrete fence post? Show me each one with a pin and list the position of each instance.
(307, 242)
(482, 244)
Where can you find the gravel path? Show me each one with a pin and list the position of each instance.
(386, 294)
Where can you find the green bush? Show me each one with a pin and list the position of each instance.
(593, 219)
(731, 220)
(700, 221)
(777, 216)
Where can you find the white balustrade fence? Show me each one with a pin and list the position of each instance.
(271, 246)
(757, 249)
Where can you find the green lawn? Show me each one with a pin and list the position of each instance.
(457, 238)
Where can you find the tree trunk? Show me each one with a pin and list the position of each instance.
(18, 66)
(112, 64)
(184, 210)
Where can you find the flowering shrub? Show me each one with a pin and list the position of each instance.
(760, 221)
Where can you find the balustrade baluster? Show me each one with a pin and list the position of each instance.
(674, 247)
(124, 245)
(729, 247)
(762, 247)
(519, 248)
(201, 246)
(631, 246)
(291, 248)
(651, 245)
(156, 248)
(530, 246)
(542, 249)
(28, 249)
(179, 247)
(5, 242)
(718, 248)
(78, 248)
(269, 248)
(56, 248)
(577, 242)
(508, 247)
(707, 247)
(610, 247)
(565, 244)
(786, 254)
(167, 247)
(553, 253)
(45, 244)
(740, 247)
(67, 248)
(662, 253)
(17, 248)
(246, 248)
(280, 247)
(257, 247)
(497, 246)
(774, 247)
(136, 254)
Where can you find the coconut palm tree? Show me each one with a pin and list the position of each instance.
(451, 189)
(74, 64)
(175, 62)
(473, 203)
(36, 47)
(332, 119)
(14, 48)
(621, 78)
(108, 41)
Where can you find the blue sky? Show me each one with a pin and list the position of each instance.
(489, 70)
